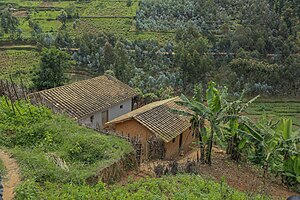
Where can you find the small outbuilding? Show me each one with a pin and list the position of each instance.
(163, 132)
(92, 102)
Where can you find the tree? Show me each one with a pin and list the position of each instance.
(109, 56)
(193, 59)
(121, 67)
(36, 28)
(212, 112)
(9, 23)
(62, 17)
(51, 73)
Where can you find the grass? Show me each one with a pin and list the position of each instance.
(110, 8)
(45, 14)
(119, 26)
(55, 149)
(169, 187)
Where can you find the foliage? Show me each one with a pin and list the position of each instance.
(279, 149)
(53, 148)
(51, 73)
(168, 187)
(192, 56)
(2, 169)
(9, 23)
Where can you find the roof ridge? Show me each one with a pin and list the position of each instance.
(148, 107)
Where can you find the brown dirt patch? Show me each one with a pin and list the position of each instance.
(46, 4)
(20, 14)
(242, 176)
(12, 178)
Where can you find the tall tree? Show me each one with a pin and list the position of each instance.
(109, 56)
(51, 73)
(9, 23)
(121, 67)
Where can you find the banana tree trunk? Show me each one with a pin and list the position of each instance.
(210, 144)
(202, 153)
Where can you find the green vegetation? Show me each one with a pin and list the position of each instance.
(15, 62)
(109, 9)
(54, 149)
(51, 73)
(274, 108)
(2, 169)
(168, 187)
(273, 145)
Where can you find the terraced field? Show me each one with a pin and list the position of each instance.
(96, 16)
(287, 108)
(17, 62)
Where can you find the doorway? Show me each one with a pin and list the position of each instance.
(104, 117)
(180, 141)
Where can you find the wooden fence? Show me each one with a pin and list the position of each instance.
(136, 142)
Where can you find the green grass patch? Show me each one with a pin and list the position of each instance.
(109, 8)
(45, 14)
(119, 26)
(53, 148)
(168, 187)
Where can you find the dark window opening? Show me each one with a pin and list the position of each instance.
(121, 106)
(92, 118)
(174, 140)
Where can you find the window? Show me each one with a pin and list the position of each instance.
(121, 106)
(92, 118)
(174, 140)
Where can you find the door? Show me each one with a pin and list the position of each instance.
(104, 117)
(180, 141)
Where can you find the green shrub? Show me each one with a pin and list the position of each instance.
(169, 187)
(54, 148)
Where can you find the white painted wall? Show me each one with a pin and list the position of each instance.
(113, 112)
(116, 111)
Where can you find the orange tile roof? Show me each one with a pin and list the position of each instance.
(159, 118)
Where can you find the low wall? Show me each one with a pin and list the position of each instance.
(115, 171)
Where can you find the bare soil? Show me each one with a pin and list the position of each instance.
(46, 4)
(12, 178)
(242, 176)
(22, 13)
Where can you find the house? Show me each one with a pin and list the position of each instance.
(163, 132)
(92, 102)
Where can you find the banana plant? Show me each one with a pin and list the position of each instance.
(215, 111)
(280, 146)
(290, 149)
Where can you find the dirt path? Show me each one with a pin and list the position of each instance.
(12, 178)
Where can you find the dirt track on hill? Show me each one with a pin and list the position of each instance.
(12, 177)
